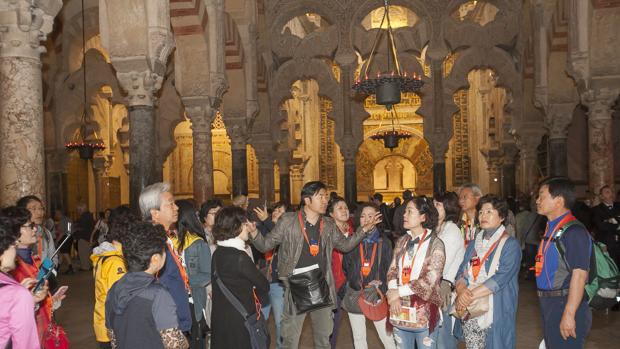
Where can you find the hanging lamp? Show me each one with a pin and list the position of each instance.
(86, 148)
(392, 137)
(387, 85)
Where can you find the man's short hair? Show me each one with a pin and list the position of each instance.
(309, 190)
(378, 197)
(119, 222)
(563, 187)
(150, 198)
(144, 240)
(475, 189)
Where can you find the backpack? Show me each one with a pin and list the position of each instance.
(603, 286)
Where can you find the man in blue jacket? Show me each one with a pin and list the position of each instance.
(157, 206)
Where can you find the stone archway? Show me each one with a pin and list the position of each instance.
(392, 175)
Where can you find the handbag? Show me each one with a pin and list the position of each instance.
(254, 323)
(55, 337)
(480, 306)
(350, 300)
(309, 291)
(371, 301)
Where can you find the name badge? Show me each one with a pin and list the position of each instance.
(406, 275)
(475, 261)
(366, 269)
(314, 248)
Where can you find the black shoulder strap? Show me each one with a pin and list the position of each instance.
(102, 260)
(229, 295)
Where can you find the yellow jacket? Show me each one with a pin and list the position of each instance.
(108, 267)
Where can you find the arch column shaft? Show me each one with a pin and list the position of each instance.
(350, 181)
(142, 152)
(265, 181)
(21, 130)
(240, 170)
(439, 177)
(201, 113)
(600, 138)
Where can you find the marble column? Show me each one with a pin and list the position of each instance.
(508, 171)
(350, 180)
(22, 27)
(240, 170)
(439, 177)
(285, 181)
(100, 168)
(528, 141)
(142, 150)
(557, 120)
(600, 137)
(494, 162)
(202, 116)
(265, 177)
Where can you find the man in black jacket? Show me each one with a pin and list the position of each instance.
(606, 217)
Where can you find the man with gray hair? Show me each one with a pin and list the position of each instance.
(157, 206)
(469, 195)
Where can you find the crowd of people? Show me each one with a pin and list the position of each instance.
(427, 272)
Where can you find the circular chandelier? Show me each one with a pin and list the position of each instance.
(392, 137)
(85, 147)
(388, 85)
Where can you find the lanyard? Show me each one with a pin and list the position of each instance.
(303, 230)
(546, 243)
(402, 262)
(365, 271)
(477, 265)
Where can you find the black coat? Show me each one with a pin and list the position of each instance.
(239, 274)
(606, 232)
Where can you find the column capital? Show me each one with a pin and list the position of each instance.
(141, 87)
(510, 152)
(24, 24)
(600, 102)
(558, 118)
(494, 158)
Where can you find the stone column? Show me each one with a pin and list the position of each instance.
(56, 181)
(239, 165)
(438, 145)
(100, 168)
(527, 142)
(265, 176)
(285, 180)
(508, 171)
(201, 113)
(139, 52)
(557, 121)
(350, 177)
(23, 25)
(494, 163)
(600, 137)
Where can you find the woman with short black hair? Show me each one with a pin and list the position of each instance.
(237, 272)
(414, 278)
(483, 277)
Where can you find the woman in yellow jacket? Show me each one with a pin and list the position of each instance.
(108, 267)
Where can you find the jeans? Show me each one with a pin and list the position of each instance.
(407, 339)
(276, 298)
(358, 327)
(337, 320)
(445, 338)
(552, 309)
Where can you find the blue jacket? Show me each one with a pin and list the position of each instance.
(505, 287)
(198, 266)
(170, 277)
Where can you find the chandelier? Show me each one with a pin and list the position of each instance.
(392, 137)
(387, 85)
(85, 147)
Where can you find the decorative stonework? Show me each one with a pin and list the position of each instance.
(558, 118)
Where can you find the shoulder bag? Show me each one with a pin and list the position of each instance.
(480, 306)
(254, 323)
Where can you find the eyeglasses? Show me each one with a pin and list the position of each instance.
(30, 225)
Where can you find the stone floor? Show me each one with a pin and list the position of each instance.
(77, 312)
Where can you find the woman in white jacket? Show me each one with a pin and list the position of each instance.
(447, 205)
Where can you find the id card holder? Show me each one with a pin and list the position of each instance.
(314, 248)
(366, 269)
(540, 261)
(406, 275)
